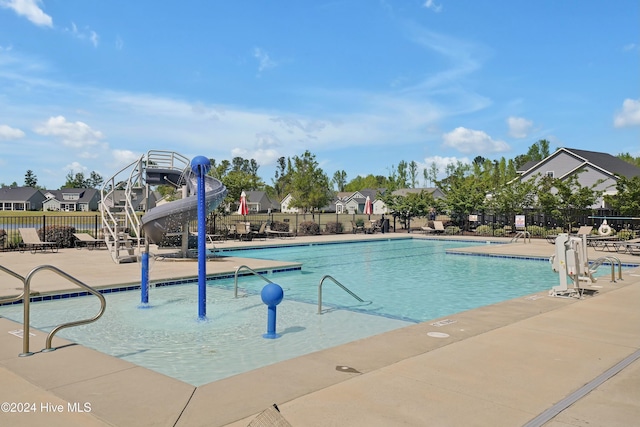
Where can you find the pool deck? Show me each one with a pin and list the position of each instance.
(501, 365)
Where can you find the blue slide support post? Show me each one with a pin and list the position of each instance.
(201, 165)
(144, 286)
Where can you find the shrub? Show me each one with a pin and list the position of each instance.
(309, 228)
(622, 234)
(536, 230)
(484, 230)
(62, 234)
(334, 227)
(499, 232)
(359, 222)
(280, 226)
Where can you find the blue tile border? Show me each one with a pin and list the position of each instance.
(51, 297)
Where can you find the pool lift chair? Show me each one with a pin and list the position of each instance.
(571, 262)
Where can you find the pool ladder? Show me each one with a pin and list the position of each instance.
(347, 290)
(613, 261)
(26, 281)
(252, 271)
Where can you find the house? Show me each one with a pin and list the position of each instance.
(259, 201)
(21, 199)
(353, 202)
(286, 208)
(71, 200)
(594, 168)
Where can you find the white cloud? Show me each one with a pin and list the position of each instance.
(431, 4)
(441, 164)
(75, 167)
(264, 61)
(75, 135)
(85, 34)
(7, 133)
(30, 9)
(119, 43)
(630, 114)
(519, 127)
(473, 141)
(124, 157)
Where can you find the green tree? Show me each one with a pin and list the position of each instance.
(340, 180)
(30, 180)
(464, 193)
(566, 200)
(413, 174)
(627, 199)
(309, 184)
(538, 151)
(369, 181)
(410, 206)
(514, 198)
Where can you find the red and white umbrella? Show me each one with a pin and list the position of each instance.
(243, 209)
(367, 207)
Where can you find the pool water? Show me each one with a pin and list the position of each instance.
(402, 282)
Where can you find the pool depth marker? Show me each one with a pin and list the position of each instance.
(201, 165)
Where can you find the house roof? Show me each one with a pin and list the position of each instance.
(84, 194)
(609, 164)
(404, 191)
(17, 194)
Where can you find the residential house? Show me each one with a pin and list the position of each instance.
(259, 201)
(593, 168)
(21, 199)
(286, 208)
(71, 200)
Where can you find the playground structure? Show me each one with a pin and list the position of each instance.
(127, 195)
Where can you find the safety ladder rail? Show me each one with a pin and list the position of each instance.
(26, 307)
(613, 261)
(524, 234)
(235, 280)
(337, 283)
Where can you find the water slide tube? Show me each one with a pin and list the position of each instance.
(169, 216)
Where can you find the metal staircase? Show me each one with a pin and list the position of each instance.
(125, 197)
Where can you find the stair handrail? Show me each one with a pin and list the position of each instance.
(327, 276)
(26, 308)
(235, 278)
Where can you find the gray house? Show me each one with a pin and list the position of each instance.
(71, 200)
(593, 168)
(20, 199)
(258, 201)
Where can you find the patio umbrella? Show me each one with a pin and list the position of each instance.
(242, 209)
(367, 207)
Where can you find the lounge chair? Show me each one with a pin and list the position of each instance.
(427, 230)
(261, 233)
(31, 240)
(369, 227)
(244, 231)
(274, 233)
(628, 246)
(86, 240)
(438, 227)
(355, 227)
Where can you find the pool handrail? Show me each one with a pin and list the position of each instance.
(5, 300)
(613, 261)
(26, 306)
(327, 276)
(235, 278)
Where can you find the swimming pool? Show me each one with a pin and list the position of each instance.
(403, 282)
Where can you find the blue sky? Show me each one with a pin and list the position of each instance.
(363, 84)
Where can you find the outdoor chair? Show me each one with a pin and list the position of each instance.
(31, 240)
(86, 240)
(438, 227)
(355, 227)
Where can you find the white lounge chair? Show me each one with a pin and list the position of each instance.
(438, 227)
(86, 240)
(31, 240)
(282, 234)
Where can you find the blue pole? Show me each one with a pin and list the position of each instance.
(144, 287)
(200, 165)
